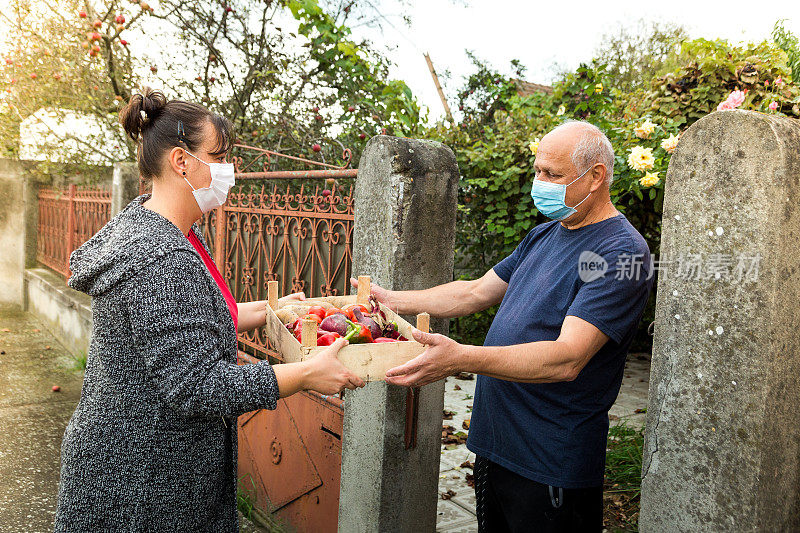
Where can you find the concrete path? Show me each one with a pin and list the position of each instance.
(32, 421)
(457, 512)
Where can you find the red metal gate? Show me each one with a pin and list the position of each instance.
(301, 236)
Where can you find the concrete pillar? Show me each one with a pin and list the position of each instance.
(13, 249)
(722, 441)
(124, 185)
(404, 238)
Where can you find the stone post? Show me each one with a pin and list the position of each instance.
(124, 185)
(15, 204)
(722, 441)
(404, 238)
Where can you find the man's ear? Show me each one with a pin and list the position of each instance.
(178, 160)
(598, 176)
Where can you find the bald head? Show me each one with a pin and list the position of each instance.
(585, 143)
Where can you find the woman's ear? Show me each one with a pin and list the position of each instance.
(178, 160)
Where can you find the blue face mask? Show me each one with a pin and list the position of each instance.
(549, 198)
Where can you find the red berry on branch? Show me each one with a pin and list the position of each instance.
(212, 79)
(119, 19)
(154, 69)
(96, 36)
(123, 42)
(9, 61)
(82, 14)
(96, 49)
(97, 23)
(57, 76)
(315, 109)
(316, 148)
(33, 75)
(351, 108)
(85, 44)
(326, 193)
(318, 118)
(362, 136)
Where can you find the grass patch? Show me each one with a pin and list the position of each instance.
(623, 478)
(79, 361)
(246, 503)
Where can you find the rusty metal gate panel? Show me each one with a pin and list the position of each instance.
(290, 458)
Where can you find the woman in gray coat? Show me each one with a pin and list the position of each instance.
(152, 443)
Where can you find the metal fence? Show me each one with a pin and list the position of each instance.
(67, 218)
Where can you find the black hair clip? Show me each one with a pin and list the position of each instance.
(181, 132)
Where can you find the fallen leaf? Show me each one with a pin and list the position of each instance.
(447, 414)
(465, 376)
(47, 347)
(470, 480)
(456, 387)
(465, 424)
(467, 464)
(449, 494)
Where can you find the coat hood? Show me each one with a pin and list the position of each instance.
(129, 242)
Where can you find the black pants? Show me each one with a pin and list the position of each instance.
(508, 502)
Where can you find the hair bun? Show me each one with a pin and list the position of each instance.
(141, 110)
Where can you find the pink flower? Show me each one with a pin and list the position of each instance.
(724, 105)
(766, 83)
(773, 106)
(778, 80)
(736, 98)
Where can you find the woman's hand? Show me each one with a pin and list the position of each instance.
(294, 297)
(327, 375)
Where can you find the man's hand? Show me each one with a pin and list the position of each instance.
(439, 360)
(380, 294)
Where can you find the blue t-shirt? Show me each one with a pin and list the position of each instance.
(555, 433)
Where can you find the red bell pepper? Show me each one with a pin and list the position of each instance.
(384, 339)
(358, 334)
(317, 310)
(348, 311)
(332, 311)
(313, 317)
(327, 339)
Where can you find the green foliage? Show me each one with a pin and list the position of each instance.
(623, 477)
(635, 54)
(789, 43)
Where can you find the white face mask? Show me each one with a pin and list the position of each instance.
(222, 179)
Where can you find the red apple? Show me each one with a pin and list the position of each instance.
(317, 148)
(199, 78)
(97, 23)
(123, 42)
(57, 76)
(212, 79)
(82, 14)
(85, 44)
(351, 108)
(153, 69)
(9, 61)
(96, 49)
(92, 53)
(229, 9)
(145, 6)
(362, 136)
(33, 75)
(96, 36)
(120, 27)
(119, 19)
(56, 388)
(315, 109)
(318, 118)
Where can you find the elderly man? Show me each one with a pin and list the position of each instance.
(552, 363)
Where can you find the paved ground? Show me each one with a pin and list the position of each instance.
(33, 418)
(457, 513)
(32, 421)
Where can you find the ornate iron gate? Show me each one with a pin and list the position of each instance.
(290, 458)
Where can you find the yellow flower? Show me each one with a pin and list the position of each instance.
(641, 158)
(644, 130)
(534, 145)
(561, 111)
(598, 87)
(650, 179)
(670, 143)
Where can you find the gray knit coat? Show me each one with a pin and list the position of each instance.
(152, 443)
